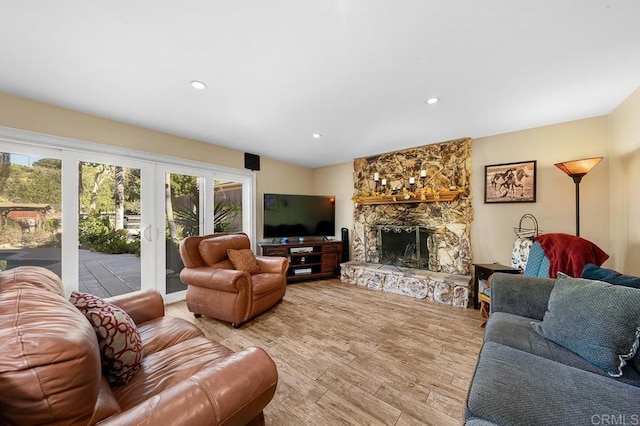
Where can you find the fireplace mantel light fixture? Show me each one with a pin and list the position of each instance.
(576, 169)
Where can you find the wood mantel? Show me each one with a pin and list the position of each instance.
(419, 197)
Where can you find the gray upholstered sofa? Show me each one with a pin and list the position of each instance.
(524, 379)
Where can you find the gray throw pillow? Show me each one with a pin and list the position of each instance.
(598, 321)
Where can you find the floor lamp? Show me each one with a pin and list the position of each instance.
(577, 169)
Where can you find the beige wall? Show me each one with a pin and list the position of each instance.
(624, 184)
(26, 114)
(337, 180)
(492, 229)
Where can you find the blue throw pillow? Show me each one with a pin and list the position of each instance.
(594, 272)
(598, 321)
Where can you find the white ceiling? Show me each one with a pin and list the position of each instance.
(356, 71)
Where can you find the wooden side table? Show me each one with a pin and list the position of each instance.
(482, 271)
(485, 307)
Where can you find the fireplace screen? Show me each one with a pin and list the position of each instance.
(401, 246)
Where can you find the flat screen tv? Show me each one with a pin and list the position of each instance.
(299, 216)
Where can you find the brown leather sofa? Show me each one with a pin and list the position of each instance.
(50, 370)
(217, 290)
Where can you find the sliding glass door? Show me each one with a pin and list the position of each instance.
(110, 221)
(183, 217)
(109, 226)
(233, 197)
(227, 205)
(107, 200)
(31, 209)
(196, 202)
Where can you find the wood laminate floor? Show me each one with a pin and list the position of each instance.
(351, 355)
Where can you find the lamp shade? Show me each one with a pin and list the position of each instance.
(578, 167)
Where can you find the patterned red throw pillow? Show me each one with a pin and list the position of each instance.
(118, 337)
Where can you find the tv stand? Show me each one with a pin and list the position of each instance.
(309, 260)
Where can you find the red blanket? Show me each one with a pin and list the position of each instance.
(569, 254)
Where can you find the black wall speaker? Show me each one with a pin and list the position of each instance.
(251, 161)
(345, 245)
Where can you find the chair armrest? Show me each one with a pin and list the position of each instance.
(520, 294)
(227, 280)
(232, 391)
(142, 306)
(273, 264)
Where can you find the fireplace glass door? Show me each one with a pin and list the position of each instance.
(400, 246)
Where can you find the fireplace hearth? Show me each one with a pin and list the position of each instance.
(438, 287)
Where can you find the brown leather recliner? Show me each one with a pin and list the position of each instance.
(217, 290)
(50, 368)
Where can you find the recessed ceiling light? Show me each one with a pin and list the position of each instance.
(432, 101)
(317, 135)
(196, 84)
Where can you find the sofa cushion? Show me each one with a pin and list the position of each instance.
(160, 333)
(516, 332)
(596, 320)
(243, 260)
(479, 422)
(594, 272)
(168, 367)
(118, 337)
(512, 387)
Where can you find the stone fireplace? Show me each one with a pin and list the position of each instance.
(437, 256)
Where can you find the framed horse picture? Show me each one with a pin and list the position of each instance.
(510, 182)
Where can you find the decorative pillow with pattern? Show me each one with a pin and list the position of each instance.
(243, 260)
(118, 337)
(520, 253)
(596, 320)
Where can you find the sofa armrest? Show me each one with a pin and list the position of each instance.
(520, 295)
(142, 306)
(273, 264)
(232, 391)
(227, 280)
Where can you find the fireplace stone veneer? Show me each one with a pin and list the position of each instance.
(446, 165)
(438, 287)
